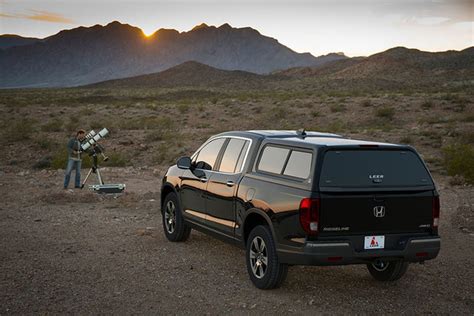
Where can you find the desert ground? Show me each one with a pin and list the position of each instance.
(83, 253)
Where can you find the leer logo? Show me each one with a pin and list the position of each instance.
(376, 178)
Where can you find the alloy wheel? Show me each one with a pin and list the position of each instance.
(258, 257)
(170, 217)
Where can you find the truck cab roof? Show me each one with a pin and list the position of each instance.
(306, 138)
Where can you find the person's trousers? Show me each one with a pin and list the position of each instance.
(76, 165)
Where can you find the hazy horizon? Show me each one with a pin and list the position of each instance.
(356, 28)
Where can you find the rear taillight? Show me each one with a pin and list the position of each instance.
(309, 215)
(435, 211)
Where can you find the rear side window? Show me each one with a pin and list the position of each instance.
(233, 155)
(369, 168)
(273, 159)
(286, 161)
(299, 164)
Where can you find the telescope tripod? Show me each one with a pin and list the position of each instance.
(94, 169)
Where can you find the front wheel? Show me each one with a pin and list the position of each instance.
(173, 223)
(263, 266)
(387, 270)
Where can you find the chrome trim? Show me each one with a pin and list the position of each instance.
(340, 244)
(419, 241)
(211, 218)
(214, 138)
(298, 240)
(196, 213)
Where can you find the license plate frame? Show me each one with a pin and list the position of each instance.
(374, 242)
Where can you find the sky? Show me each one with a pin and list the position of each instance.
(356, 28)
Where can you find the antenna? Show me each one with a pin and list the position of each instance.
(301, 132)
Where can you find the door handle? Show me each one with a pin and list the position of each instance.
(203, 180)
(230, 183)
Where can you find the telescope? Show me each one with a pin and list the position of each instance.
(92, 138)
(90, 145)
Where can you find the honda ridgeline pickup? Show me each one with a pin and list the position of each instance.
(306, 198)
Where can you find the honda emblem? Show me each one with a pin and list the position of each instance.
(379, 211)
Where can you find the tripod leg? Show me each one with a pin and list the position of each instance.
(99, 176)
(85, 180)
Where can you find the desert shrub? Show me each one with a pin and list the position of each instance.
(280, 112)
(117, 159)
(19, 130)
(427, 104)
(164, 154)
(366, 103)
(258, 109)
(406, 140)
(339, 107)
(45, 143)
(55, 125)
(43, 163)
(147, 122)
(387, 113)
(459, 161)
(314, 113)
(158, 135)
(183, 108)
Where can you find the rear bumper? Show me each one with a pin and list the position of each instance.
(342, 252)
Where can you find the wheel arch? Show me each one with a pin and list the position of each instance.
(254, 218)
(166, 189)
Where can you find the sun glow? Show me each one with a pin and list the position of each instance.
(147, 33)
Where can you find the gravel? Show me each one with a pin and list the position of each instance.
(76, 252)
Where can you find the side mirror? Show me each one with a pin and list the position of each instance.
(184, 163)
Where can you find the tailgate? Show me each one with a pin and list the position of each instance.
(374, 190)
(347, 214)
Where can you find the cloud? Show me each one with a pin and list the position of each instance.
(44, 16)
(3, 15)
(49, 17)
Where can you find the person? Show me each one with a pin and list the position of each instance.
(74, 159)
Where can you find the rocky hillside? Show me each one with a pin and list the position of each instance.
(399, 66)
(11, 40)
(193, 74)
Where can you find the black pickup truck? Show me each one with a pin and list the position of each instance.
(306, 198)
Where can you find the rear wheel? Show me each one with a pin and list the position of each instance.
(173, 223)
(263, 266)
(382, 270)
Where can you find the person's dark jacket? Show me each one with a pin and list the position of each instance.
(74, 149)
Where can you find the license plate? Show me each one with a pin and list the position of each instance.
(374, 242)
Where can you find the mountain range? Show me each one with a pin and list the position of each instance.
(395, 68)
(86, 55)
(120, 55)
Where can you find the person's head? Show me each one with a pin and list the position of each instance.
(80, 134)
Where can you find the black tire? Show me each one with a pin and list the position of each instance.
(264, 276)
(173, 223)
(387, 271)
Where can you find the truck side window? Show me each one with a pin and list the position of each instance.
(208, 154)
(233, 155)
(273, 159)
(299, 164)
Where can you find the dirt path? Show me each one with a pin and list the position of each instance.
(80, 253)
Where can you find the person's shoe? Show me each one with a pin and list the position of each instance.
(77, 187)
